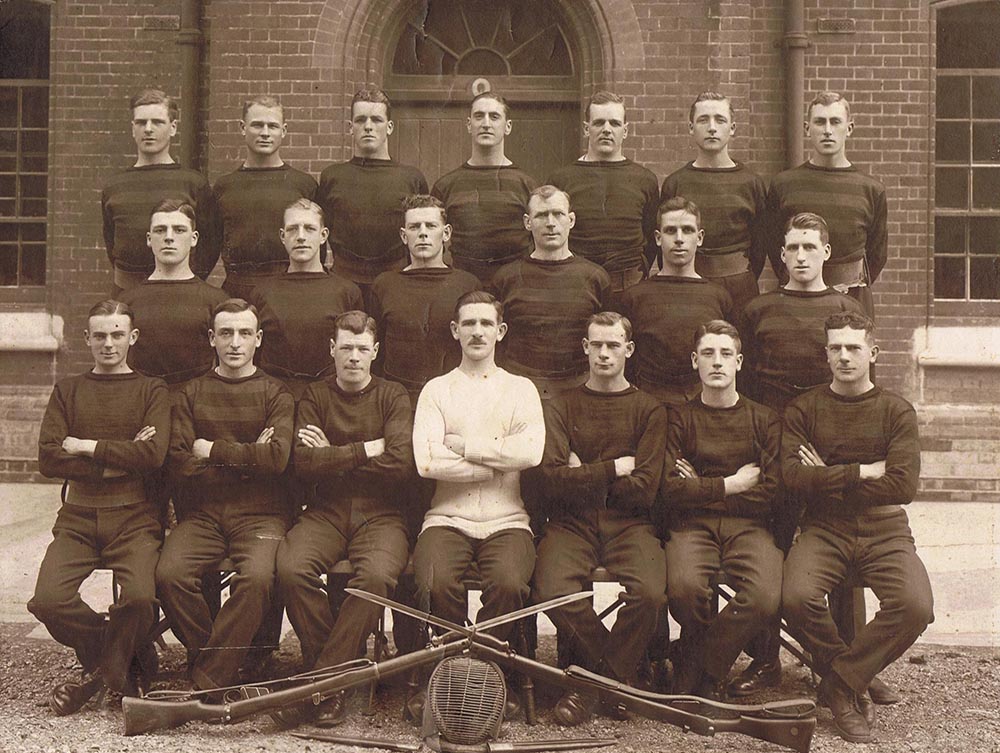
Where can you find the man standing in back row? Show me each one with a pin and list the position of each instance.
(615, 198)
(129, 196)
(485, 197)
(252, 199)
(362, 198)
(732, 199)
(852, 203)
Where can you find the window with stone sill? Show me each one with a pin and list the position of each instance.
(24, 141)
(967, 154)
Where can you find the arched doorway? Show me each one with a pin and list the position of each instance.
(446, 49)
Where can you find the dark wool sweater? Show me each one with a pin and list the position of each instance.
(718, 442)
(345, 475)
(110, 408)
(362, 200)
(486, 206)
(252, 202)
(413, 310)
(173, 318)
(784, 342)
(599, 427)
(852, 203)
(733, 206)
(665, 311)
(127, 203)
(232, 413)
(846, 432)
(615, 206)
(297, 311)
(546, 306)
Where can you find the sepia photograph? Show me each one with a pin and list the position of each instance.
(499, 375)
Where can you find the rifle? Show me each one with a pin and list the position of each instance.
(786, 723)
(148, 714)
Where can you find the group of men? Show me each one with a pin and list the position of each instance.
(570, 376)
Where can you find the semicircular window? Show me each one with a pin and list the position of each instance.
(483, 38)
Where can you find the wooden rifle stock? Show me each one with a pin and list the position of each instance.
(143, 715)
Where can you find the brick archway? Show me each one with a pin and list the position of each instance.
(352, 39)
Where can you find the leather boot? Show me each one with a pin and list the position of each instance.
(848, 720)
(758, 675)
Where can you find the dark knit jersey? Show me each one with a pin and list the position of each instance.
(173, 318)
(252, 202)
(717, 442)
(127, 203)
(784, 342)
(733, 206)
(111, 408)
(846, 432)
(546, 307)
(486, 206)
(665, 311)
(297, 311)
(413, 310)
(345, 475)
(599, 427)
(615, 206)
(232, 413)
(852, 203)
(362, 200)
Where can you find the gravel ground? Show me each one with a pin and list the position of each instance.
(951, 704)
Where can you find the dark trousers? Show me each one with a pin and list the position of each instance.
(197, 546)
(630, 551)
(378, 550)
(743, 548)
(505, 560)
(125, 539)
(877, 547)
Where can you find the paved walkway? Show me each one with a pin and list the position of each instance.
(959, 543)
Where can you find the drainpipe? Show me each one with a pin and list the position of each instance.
(795, 43)
(189, 41)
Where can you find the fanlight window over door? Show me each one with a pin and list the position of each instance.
(483, 38)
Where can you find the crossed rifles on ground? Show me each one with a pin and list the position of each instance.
(788, 723)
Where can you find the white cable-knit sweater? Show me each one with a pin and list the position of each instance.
(500, 418)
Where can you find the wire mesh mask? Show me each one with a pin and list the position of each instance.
(465, 700)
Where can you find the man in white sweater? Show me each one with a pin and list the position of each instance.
(475, 429)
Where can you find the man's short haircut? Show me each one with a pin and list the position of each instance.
(235, 306)
(610, 319)
(154, 97)
(479, 296)
(808, 221)
(357, 322)
(264, 100)
(111, 307)
(495, 97)
(828, 98)
(852, 320)
(375, 96)
(604, 98)
(175, 205)
(423, 201)
(710, 96)
(547, 192)
(718, 327)
(677, 204)
(307, 206)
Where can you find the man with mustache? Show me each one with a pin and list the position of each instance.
(485, 197)
(252, 199)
